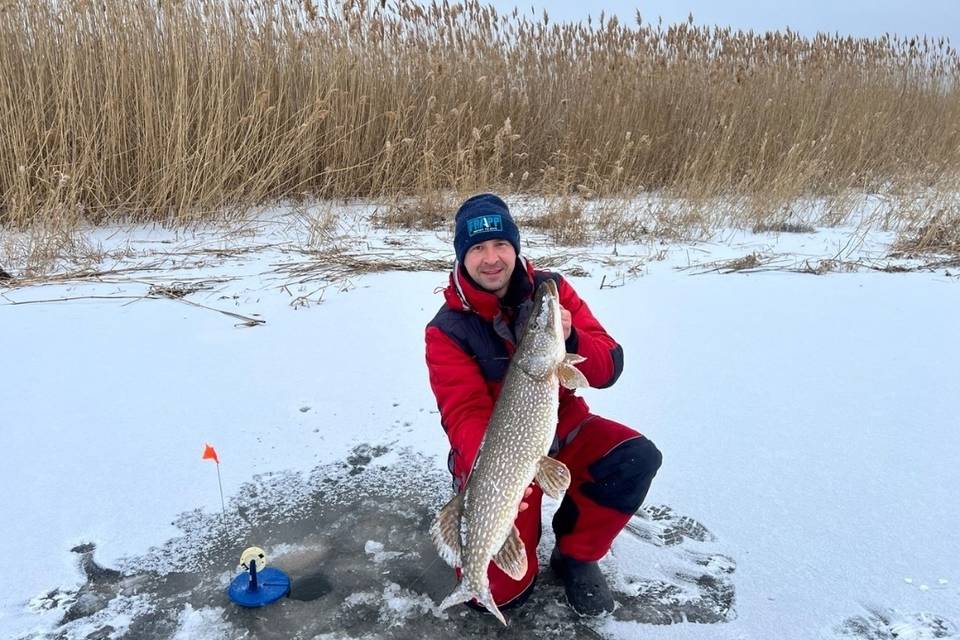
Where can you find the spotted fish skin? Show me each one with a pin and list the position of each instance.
(477, 526)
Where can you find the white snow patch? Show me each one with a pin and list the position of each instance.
(375, 549)
(899, 625)
(358, 598)
(118, 615)
(285, 548)
(402, 604)
(206, 622)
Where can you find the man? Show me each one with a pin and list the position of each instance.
(468, 348)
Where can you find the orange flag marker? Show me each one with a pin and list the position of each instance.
(209, 453)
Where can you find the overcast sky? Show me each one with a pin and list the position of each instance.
(848, 17)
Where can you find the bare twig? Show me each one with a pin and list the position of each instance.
(246, 320)
(70, 298)
(750, 263)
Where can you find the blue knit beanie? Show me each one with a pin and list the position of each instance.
(480, 218)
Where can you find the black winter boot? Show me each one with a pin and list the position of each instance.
(586, 588)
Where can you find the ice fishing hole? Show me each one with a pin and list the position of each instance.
(310, 587)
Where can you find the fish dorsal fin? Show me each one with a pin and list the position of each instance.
(570, 376)
(553, 477)
(445, 531)
(512, 557)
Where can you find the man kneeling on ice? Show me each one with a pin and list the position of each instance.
(469, 346)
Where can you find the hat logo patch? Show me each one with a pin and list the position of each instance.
(485, 224)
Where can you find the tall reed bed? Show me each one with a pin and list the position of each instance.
(175, 110)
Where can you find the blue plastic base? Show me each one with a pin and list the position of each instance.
(272, 584)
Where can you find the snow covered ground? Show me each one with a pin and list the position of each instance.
(808, 424)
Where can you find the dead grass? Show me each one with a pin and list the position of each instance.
(783, 227)
(43, 248)
(176, 289)
(941, 235)
(428, 211)
(338, 265)
(746, 262)
(179, 111)
(564, 220)
(828, 265)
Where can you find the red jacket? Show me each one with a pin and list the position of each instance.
(470, 341)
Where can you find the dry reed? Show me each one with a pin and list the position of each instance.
(180, 110)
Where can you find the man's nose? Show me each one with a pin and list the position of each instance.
(490, 254)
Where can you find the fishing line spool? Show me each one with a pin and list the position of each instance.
(259, 585)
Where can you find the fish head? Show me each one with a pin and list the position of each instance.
(542, 347)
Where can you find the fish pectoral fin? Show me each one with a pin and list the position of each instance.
(445, 531)
(574, 358)
(570, 376)
(553, 477)
(512, 557)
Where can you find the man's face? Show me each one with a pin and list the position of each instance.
(491, 264)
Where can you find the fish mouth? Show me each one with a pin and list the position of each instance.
(547, 306)
(547, 295)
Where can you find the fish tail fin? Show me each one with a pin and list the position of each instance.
(460, 595)
(463, 594)
(486, 599)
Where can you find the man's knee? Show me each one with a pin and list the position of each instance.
(622, 477)
(565, 518)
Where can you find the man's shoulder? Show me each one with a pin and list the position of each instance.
(563, 285)
(448, 319)
(465, 328)
(541, 275)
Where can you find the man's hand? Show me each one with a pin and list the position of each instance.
(567, 321)
(525, 505)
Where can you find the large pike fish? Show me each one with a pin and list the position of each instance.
(477, 526)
